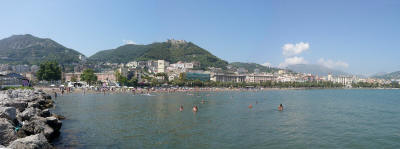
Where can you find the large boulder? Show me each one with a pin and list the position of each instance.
(4, 96)
(28, 114)
(45, 113)
(35, 126)
(20, 105)
(37, 141)
(9, 113)
(7, 132)
(54, 123)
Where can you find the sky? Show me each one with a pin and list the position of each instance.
(357, 36)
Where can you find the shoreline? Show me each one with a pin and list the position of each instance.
(51, 91)
(25, 119)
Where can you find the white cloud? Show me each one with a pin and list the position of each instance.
(128, 42)
(294, 49)
(333, 64)
(267, 64)
(293, 61)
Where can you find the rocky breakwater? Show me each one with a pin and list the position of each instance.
(25, 119)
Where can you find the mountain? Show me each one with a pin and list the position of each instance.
(389, 76)
(251, 66)
(28, 49)
(171, 50)
(315, 69)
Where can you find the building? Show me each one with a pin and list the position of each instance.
(161, 66)
(198, 76)
(220, 77)
(13, 80)
(108, 76)
(259, 78)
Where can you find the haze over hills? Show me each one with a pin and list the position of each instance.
(28, 49)
(171, 50)
(315, 69)
(393, 75)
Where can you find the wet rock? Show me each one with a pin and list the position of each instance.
(9, 113)
(37, 141)
(60, 117)
(7, 133)
(45, 113)
(53, 122)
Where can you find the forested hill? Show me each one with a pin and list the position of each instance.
(171, 50)
(252, 66)
(28, 49)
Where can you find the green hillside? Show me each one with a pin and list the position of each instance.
(172, 51)
(251, 66)
(28, 49)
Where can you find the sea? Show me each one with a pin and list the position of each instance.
(312, 118)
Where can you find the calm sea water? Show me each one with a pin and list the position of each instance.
(311, 119)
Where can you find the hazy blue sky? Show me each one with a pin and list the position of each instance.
(358, 36)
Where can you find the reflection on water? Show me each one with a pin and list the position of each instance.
(311, 119)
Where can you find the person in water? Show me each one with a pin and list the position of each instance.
(181, 108)
(280, 108)
(250, 106)
(195, 108)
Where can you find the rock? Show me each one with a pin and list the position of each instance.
(60, 117)
(33, 104)
(37, 141)
(7, 132)
(20, 105)
(28, 114)
(45, 113)
(35, 126)
(21, 133)
(9, 113)
(4, 96)
(49, 133)
(54, 123)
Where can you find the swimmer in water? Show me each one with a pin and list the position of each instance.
(202, 101)
(195, 108)
(250, 106)
(280, 108)
(181, 108)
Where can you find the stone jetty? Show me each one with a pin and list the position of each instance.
(25, 119)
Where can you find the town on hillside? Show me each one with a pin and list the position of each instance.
(163, 73)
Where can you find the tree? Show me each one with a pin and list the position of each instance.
(88, 76)
(49, 71)
(74, 79)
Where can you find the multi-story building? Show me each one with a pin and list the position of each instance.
(221, 77)
(258, 78)
(161, 66)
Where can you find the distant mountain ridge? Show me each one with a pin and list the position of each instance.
(315, 69)
(389, 76)
(171, 50)
(28, 49)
